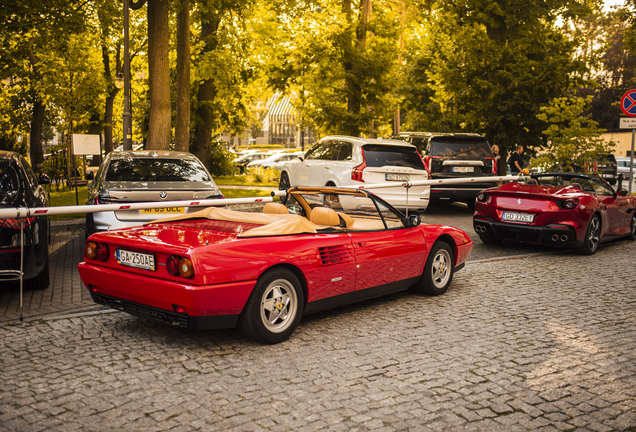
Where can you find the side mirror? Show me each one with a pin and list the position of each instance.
(411, 221)
(44, 179)
(622, 192)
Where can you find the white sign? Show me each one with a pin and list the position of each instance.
(86, 144)
(628, 123)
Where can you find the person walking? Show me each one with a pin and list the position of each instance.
(516, 162)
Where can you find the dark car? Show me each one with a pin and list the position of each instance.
(241, 162)
(19, 187)
(605, 167)
(453, 155)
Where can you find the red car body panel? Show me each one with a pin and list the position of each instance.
(615, 211)
(226, 267)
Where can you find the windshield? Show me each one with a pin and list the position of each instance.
(586, 184)
(385, 155)
(180, 170)
(9, 184)
(476, 147)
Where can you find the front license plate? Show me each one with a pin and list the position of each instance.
(136, 259)
(163, 210)
(517, 217)
(397, 177)
(462, 169)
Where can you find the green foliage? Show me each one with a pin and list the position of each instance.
(262, 175)
(11, 143)
(573, 140)
(221, 160)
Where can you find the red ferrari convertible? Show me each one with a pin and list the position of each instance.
(219, 268)
(556, 209)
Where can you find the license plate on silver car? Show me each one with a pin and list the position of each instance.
(136, 259)
(463, 169)
(517, 217)
(397, 177)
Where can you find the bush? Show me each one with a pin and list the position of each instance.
(262, 175)
(220, 161)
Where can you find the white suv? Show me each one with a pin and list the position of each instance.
(350, 161)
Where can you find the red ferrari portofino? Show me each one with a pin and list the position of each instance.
(219, 268)
(556, 209)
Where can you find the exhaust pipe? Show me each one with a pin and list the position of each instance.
(564, 238)
(480, 228)
(555, 237)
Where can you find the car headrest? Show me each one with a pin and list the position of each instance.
(576, 185)
(324, 216)
(532, 182)
(275, 208)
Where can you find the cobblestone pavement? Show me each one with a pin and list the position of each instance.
(545, 342)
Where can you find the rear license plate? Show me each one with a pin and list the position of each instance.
(463, 169)
(517, 217)
(397, 177)
(163, 210)
(136, 259)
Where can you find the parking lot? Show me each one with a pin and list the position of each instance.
(525, 339)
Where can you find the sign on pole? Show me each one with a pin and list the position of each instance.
(628, 105)
(86, 144)
(628, 123)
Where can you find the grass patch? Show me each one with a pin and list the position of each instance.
(244, 193)
(254, 177)
(67, 198)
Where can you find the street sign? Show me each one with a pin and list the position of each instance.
(86, 144)
(628, 103)
(628, 123)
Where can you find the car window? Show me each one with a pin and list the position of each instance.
(9, 184)
(327, 151)
(156, 170)
(600, 188)
(310, 153)
(345, 151)
(377, 155)
(455, 147)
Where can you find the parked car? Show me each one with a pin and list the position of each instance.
(20, 187)
(241, 163)
(144, 176)
(277, 161)
(350, 161)
(622, 165)
(449, 155)
(605, 167)
(562, 210)
(217, 268)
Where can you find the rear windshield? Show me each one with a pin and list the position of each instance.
(383, 155)
(8, 184)
(477, 147)
(156, 170)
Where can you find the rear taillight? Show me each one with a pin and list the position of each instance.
(428, 163)
(15, 223)
(96, 251)
(571, 203)
(356, 173)
(482, 197)
(179, 266)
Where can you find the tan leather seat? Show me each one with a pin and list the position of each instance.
(348, 220)
(576, 185)
(532, 182)
(275, 208)
(324, 216)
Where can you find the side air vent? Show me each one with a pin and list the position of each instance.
(334, 255)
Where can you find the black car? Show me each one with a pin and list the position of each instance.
(453, 155)
(19, 187)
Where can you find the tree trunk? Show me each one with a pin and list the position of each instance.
(182, 126)
(158, 76)
(206, 94)
(35, 137)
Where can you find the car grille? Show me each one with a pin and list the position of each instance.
(330, 255)
(141, 310)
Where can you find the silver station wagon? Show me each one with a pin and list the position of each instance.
(146, 176)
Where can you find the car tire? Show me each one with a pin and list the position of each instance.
(632, 227)
(274, 308)
(42, 280)
(592, 237)
(489, 240)
(438, 272)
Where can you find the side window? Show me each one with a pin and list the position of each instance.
(345, 151)
(312, 152)
(601, 189)
(327, 151)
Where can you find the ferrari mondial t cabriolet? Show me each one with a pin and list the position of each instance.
(563, 210)
(218, 268)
